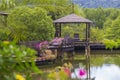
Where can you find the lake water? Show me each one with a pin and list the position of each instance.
(103, 67)
(104, 72)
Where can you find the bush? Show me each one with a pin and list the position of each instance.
(16, 61)
(110, 44)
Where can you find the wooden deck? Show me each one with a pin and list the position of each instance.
(80, 45)
(93, 45)
(83, 43)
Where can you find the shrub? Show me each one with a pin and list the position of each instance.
(16, 60)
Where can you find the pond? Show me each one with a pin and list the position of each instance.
(102, 66)
(104, 72)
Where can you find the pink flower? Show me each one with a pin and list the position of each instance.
(82, 72)
(37, 46)
(42, 45)
(54, 40)
(57, 40)
(45, 43)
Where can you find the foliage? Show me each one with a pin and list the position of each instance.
(97, 34)
(7, 4)
(56, 8)
(114, 29)
(79, 11)
(61, 72)
(67, 30)
(33, 23)
(112, 13)
(3, 29)
(96, 15)
(107, 25)
(3, 35)
(110, 44)
(16, 60)
(74, 28)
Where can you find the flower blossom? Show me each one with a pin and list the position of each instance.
(82, 72)
(19, 77)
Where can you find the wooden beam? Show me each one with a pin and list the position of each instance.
(3, 14)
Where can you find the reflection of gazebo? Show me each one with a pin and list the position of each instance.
(72, 18)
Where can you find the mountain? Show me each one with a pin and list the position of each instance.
(98, 3)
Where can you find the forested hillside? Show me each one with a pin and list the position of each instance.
(98, 3)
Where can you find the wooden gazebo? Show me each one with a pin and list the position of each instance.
(73, 18)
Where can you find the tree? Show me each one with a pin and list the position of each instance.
(55, 8)
(97, 34)
(30, 24)
(115, 30)
(114, 14)
(96, 15)
(107, 27)
(7, 4)
(112, 34)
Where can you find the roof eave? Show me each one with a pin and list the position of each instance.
(70, 22)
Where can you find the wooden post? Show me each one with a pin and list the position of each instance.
(87, 50)
(57, 30)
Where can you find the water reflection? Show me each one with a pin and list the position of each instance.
(104, 72)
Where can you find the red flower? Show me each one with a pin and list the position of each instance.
(67, 71)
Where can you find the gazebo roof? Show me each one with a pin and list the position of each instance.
(4, 14)
(72, 18)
